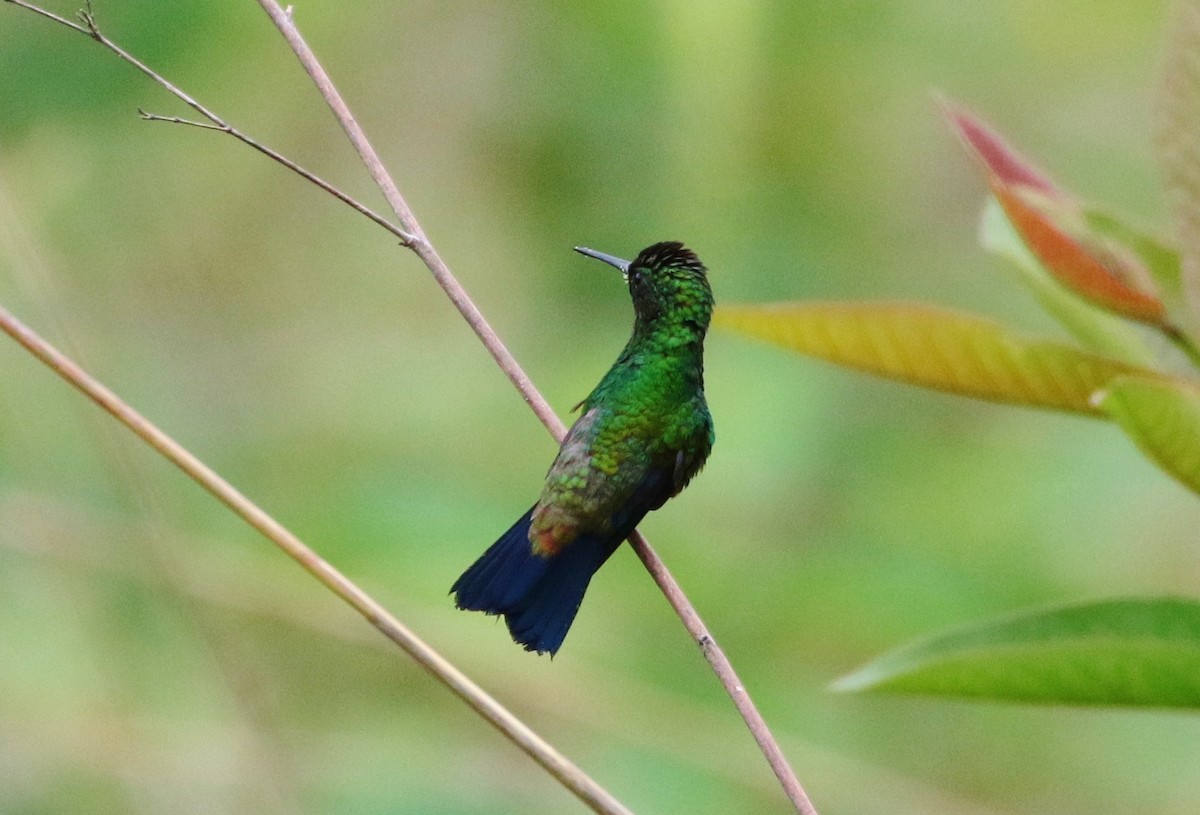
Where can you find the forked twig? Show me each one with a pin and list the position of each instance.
(88, 26)
(413, 236)
(176, 120)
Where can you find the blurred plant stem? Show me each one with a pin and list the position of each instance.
(541, 751)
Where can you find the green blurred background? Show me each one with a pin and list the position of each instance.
(157, 656)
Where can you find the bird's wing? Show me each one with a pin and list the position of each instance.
(599, 468)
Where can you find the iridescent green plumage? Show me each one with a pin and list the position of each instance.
(643, 433)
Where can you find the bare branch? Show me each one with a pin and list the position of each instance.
(420, 243)
(154, 117)
(725, 672)
(51, 15)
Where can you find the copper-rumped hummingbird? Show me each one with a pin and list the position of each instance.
(643, 433)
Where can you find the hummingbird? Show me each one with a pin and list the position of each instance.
(641, 435)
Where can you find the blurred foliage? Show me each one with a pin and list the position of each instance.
(1101, 279)
(159, 657)
(1136, 652)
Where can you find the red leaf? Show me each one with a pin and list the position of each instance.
(1051, 224)
(1002, 162)
(1092, 272)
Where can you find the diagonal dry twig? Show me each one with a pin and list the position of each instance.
(413, 236)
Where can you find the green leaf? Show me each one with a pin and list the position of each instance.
(1143, 652)
(934, 348)
(1096, 329)
(1163, 417)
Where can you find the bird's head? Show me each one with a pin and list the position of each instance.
(667, 282)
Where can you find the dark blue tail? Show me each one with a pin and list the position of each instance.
(538, 596)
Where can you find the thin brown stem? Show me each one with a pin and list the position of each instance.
(175, 120)
(537, 748)
(51, 15)
(724, 670)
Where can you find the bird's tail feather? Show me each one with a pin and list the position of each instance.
(541, 619)
(538, 596)
(503, 575)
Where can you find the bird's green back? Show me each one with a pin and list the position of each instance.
(648, 413)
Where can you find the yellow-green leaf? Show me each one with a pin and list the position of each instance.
(1163, 417)
(934, 348)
